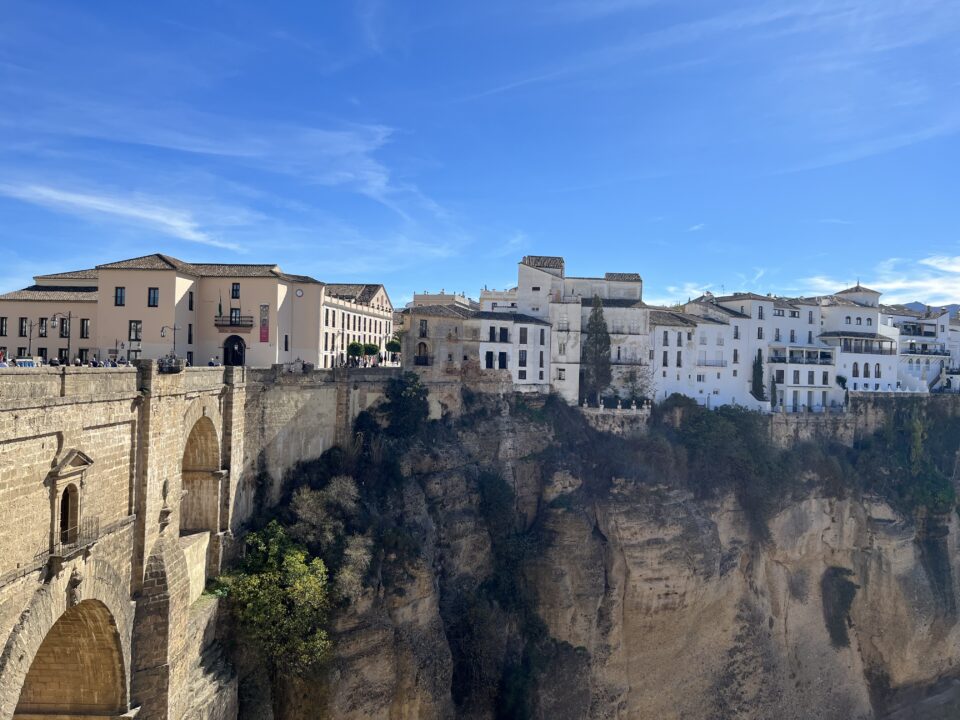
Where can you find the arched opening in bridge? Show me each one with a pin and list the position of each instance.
(234, 350)
(69, 514)
(200, 505)
(78, 670)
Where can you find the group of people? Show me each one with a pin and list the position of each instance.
(94, 362)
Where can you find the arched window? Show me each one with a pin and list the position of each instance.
(876, 371)
(866, 370)
(856, 370)
(69, 514)
(859, 321)
(870, 321)
(422, 349)
(847, 320)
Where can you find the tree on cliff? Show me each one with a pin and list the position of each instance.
(280, 599)
(596, 353)
(406, 407)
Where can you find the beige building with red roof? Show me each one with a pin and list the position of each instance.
(147, 307)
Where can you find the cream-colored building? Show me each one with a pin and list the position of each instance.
(147, 307)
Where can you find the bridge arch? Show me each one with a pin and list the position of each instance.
(69, 652)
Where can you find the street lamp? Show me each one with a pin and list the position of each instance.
(69, 318)
(163, 333)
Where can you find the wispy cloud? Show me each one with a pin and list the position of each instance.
(933, 280)
(138, 210)
(697, 228)
(677, 293)
(834, 221)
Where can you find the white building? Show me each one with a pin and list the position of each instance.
(925, 353)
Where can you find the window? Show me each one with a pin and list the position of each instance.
(794, 313)
(870, 322)
(793, 336)
(736, 356)
(809, 337)
(666, 358)
(760, 312)
(810, 317)
(876, 371)
(84, 328)
(776, 335)
(522, 374)
(561, 373)
(856, 370)
(23, 327)
(42, 327)
(189, 333)
(859, 321)
(736, 332)
(119, 296)
(504, 335)
(826, 378)
(136, 330)
(3, 327)
(64, 327)
(286, 343)
(778, 312)
(190, 357)
(796, 377)
(21, 352)
(502, 361)
(541, 374)
(680, 338)
(679, 358)
(759, 333)
(234, 316)
(493, 333)
(846, 320)
(523, 358)
(703, 339)
(153, 297)
(562, 347)
(779, 377)
(535, 288)
(235, 291)
(190, 300)
(810, 377)
(543, 336)
(541, 358)
(701, 378)
(489, 363)
(523, 336)
(42, 352)
(666, 338)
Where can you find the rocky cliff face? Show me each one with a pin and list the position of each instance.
(539, 591)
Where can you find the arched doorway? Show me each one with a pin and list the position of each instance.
(69, 514)
(78, 670)
(234, 350)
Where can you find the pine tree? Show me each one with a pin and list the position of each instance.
(757, 389)
(596, 353)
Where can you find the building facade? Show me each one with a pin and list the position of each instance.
(151, 306)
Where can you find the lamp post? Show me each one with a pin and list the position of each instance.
(163, 333)
(69, 318)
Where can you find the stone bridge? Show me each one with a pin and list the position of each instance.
(121, 491)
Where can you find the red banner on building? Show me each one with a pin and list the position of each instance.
(264, 323)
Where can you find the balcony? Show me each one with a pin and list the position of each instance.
(711, 363)
(923, 351)
(233, 321)
(422, 360)
(71, 541)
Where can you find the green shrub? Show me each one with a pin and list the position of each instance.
(279, 597)
(406, 407)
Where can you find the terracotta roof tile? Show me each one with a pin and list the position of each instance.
(53, 293)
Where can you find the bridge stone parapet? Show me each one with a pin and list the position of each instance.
(141, 478)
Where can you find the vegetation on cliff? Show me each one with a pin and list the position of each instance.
(354, 513)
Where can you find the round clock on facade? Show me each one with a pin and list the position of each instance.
(299, 292)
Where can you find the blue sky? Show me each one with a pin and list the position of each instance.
(790, 146)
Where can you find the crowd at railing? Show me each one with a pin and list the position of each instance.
(37, 362)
